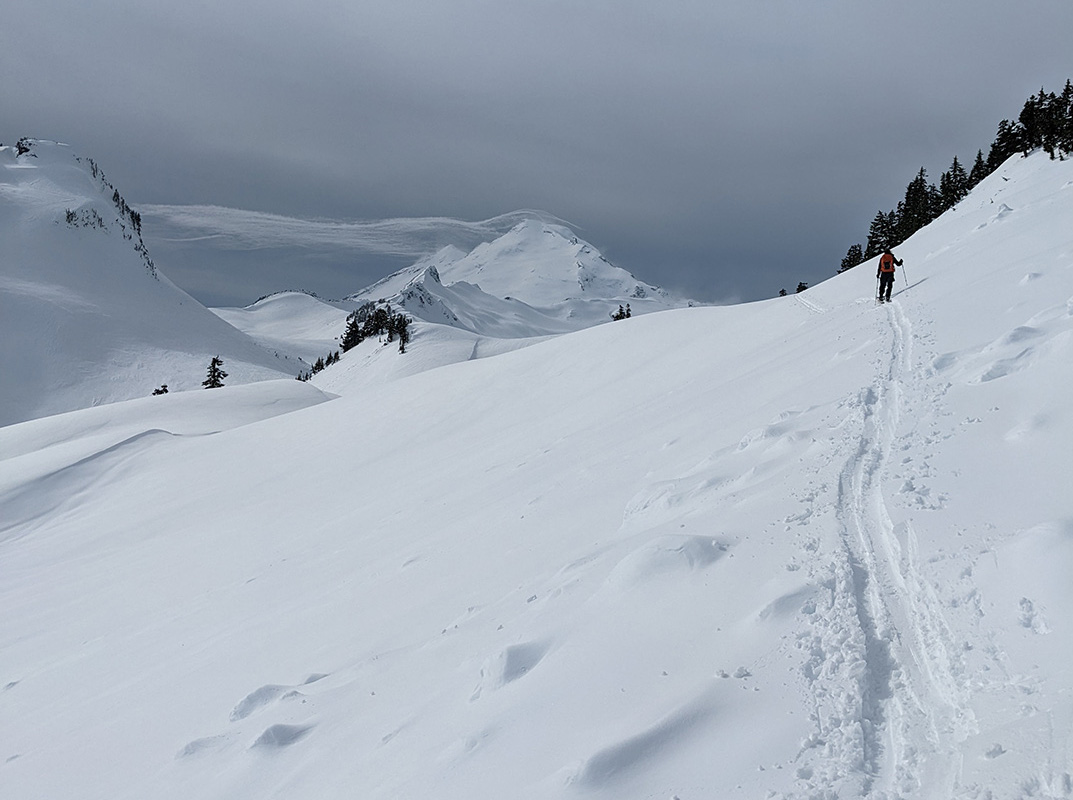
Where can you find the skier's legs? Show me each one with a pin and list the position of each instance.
(886, 283)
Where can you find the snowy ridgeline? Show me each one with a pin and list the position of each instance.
(804, 548)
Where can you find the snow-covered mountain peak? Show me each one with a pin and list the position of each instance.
(87, 318)
(544, 264)
(537, 279)
(46, 183)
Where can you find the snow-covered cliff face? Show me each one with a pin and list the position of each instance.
(88, 317)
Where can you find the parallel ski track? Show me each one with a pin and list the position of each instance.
(914, 703)
(891, 699)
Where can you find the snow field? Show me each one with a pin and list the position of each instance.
(803, 548)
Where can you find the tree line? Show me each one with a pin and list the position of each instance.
(1045, 121)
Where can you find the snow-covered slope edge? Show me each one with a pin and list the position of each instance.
(87, 316)
(802, 548)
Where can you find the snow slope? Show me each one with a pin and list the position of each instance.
(87, 318)
(804, 548)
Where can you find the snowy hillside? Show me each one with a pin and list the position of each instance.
(295, 323)
(87, 317)
(805, 548)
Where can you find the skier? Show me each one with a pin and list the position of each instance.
(885, 273)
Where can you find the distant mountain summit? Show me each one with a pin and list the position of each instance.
(537, 279)
(543, 265)
(87, 316)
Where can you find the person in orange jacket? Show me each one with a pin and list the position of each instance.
(885, 273)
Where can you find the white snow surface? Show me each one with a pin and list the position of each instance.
(85, 316)
(810, 547)
(295, 323)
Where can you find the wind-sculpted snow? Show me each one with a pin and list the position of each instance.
(800, 549)
(49, 463)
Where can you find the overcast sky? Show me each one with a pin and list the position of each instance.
(720, 149)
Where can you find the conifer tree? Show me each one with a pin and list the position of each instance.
(1065, 119)
(921, 206)
(881, 234)
(953, 185)
(402, 326)
(352, 335)
(1007, 142)
(979, 169)
(216, 374)
(854, 256)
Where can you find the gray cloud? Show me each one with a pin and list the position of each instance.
(724, 149)
(407, 237)
(225, 253)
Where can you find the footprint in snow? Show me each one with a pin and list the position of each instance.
(200, 747)
(512, 663)
(259, 698)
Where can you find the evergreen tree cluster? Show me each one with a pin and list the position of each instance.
(922, 203)
(370, 320)
(622, 313)
(319, 364)
(89, 218)
(128, 212)
(1046, 122)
